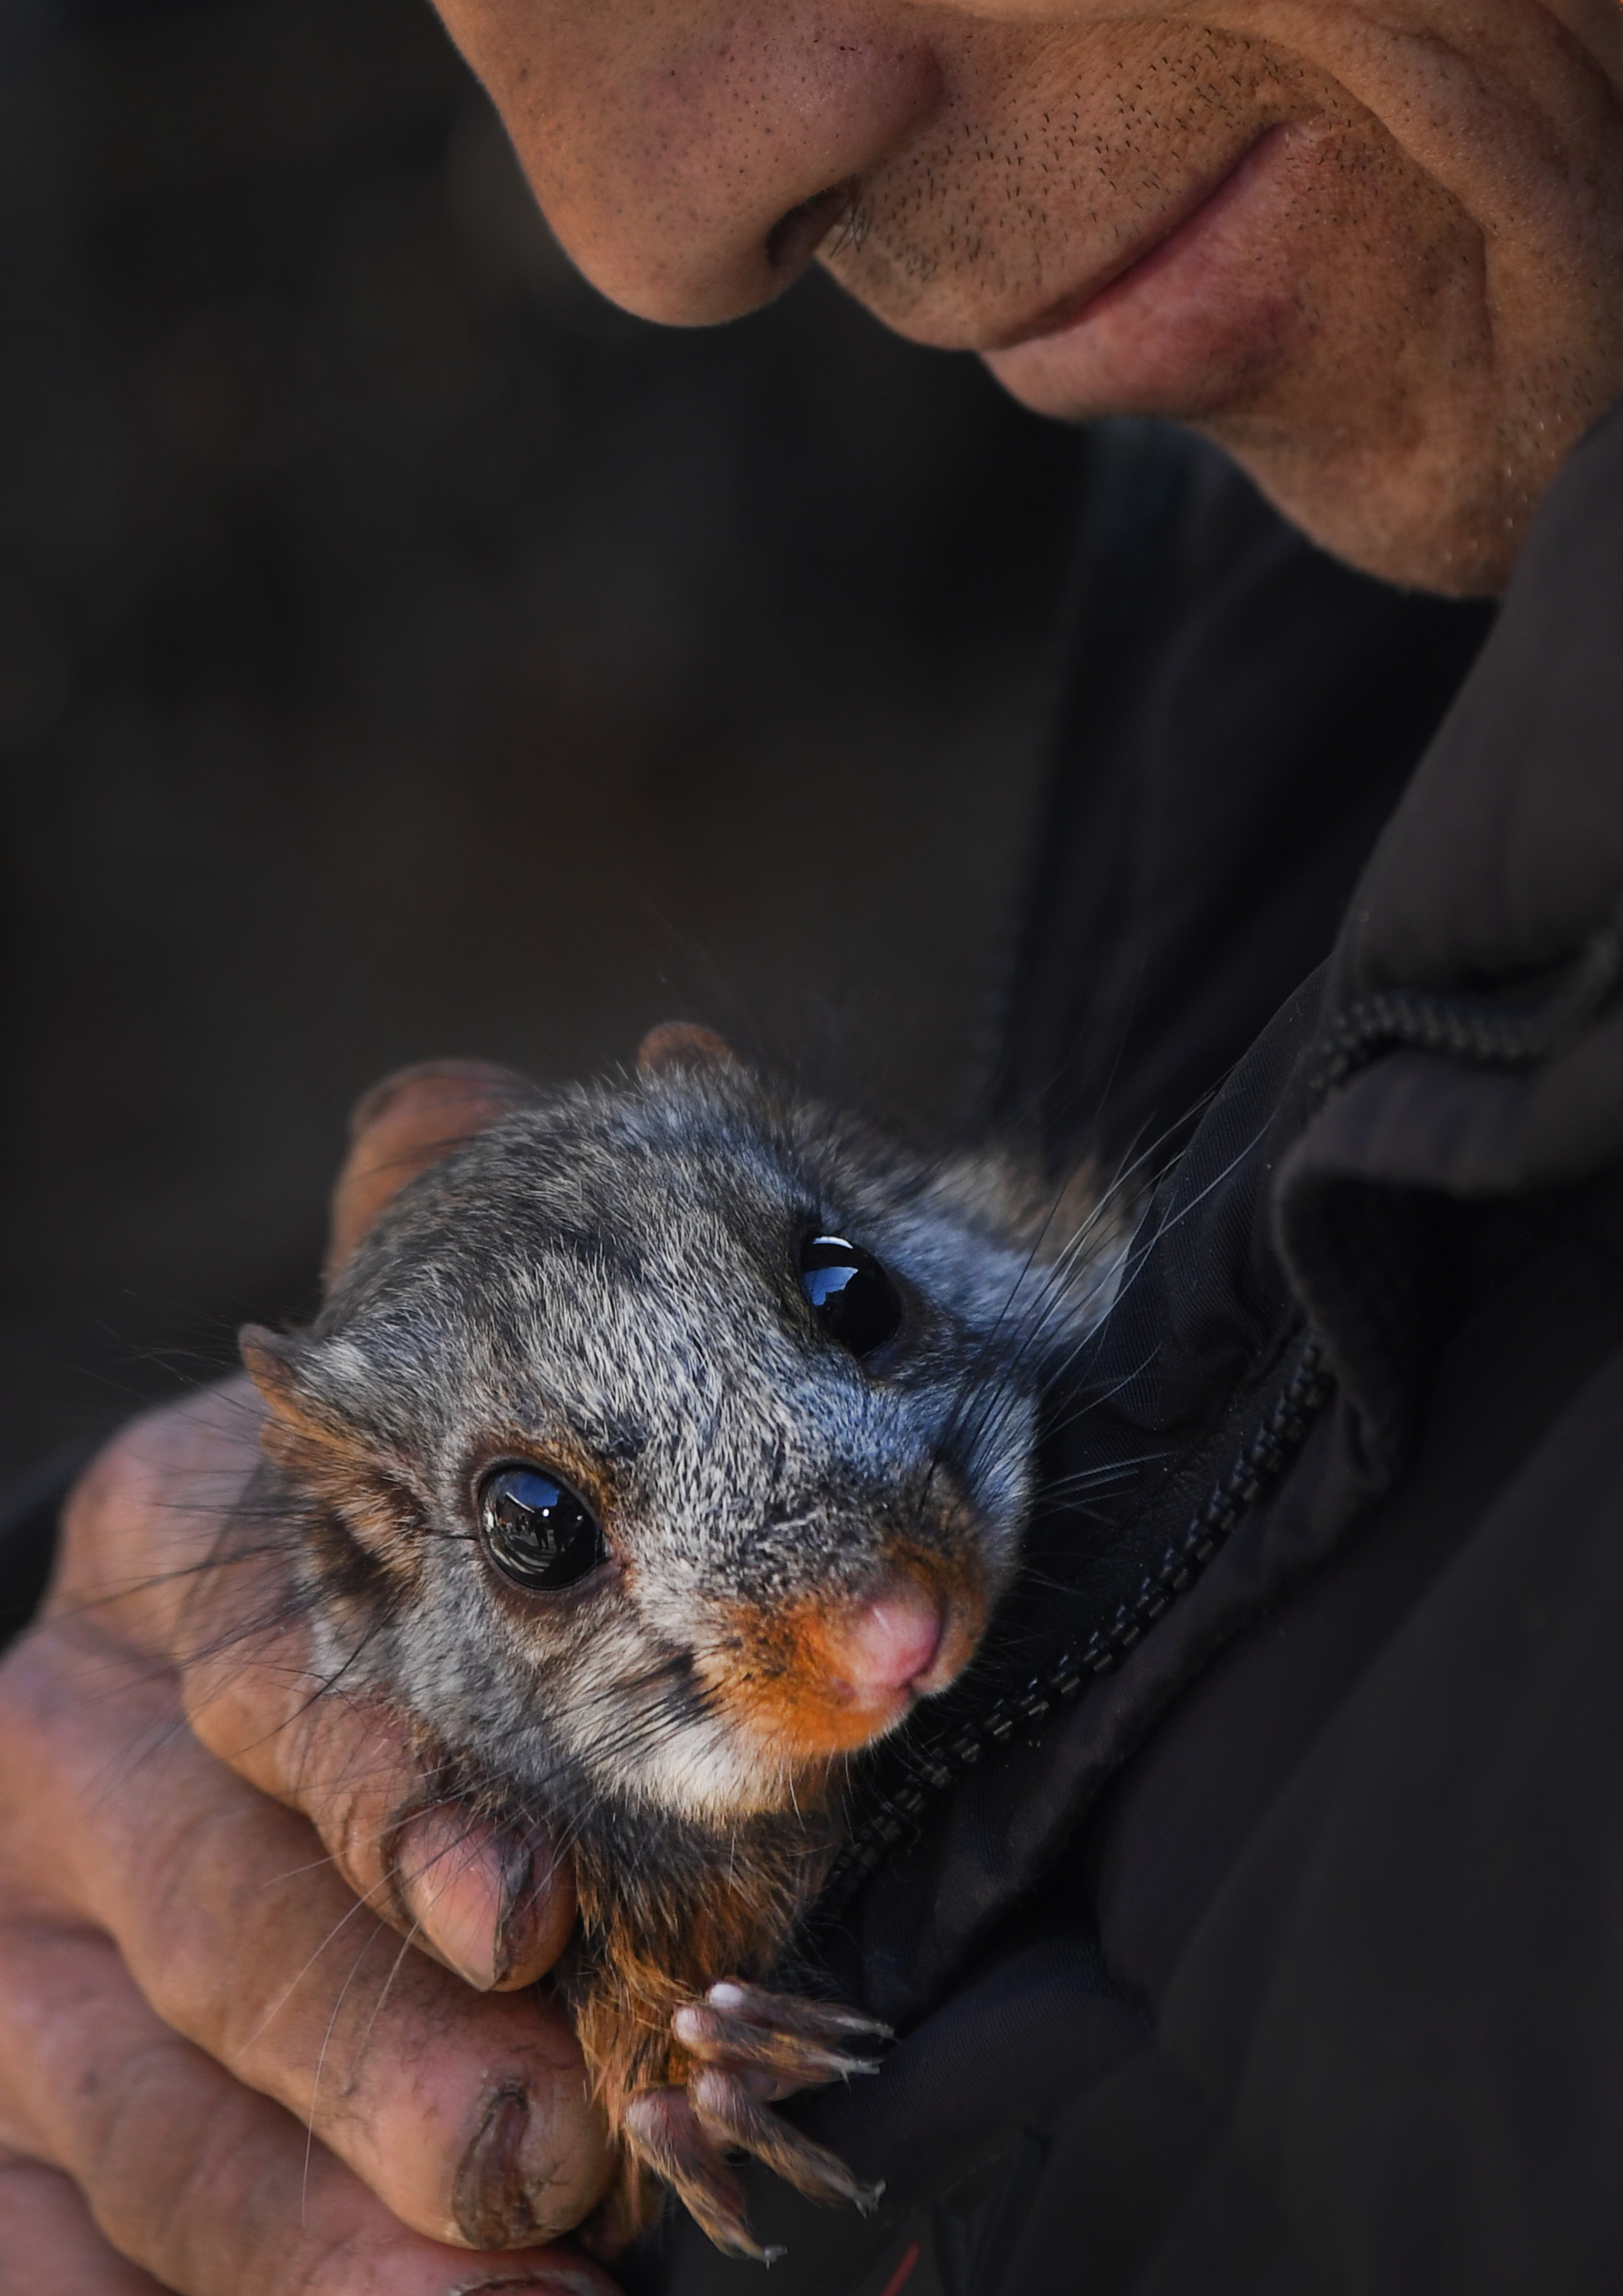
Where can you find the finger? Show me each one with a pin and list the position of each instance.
(467, 2114)
(49, 2246)
(211, 2189)
(497, 1909)
(142, 1524)
(142, 1564)
(403, 1125)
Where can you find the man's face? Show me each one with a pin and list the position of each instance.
(1372, 247)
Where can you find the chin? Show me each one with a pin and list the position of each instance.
(1450, 519)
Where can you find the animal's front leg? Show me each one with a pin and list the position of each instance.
(748, 2046)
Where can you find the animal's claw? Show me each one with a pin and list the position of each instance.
(791, 2013)
(734, 2117)
(798, 2044)
(666, 2134)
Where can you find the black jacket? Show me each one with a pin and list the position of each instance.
(1255, 1920)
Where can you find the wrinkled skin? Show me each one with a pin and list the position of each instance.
(1373, 250)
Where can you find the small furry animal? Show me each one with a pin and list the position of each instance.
(658, 1446)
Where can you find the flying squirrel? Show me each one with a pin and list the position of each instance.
(659, 1444)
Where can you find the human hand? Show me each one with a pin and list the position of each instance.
(228, 2064)
(193, 1974)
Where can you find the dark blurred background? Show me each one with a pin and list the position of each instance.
(402, 651)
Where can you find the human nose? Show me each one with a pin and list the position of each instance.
(691, 155)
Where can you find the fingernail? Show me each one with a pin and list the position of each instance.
(491, 2196)
(456, 1880)
(537, 1912)
(515, 1917)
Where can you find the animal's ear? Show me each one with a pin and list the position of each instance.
(272, 1363)
(307, 1434)
(684, 1045)
(299, 1428)
(403, 1125)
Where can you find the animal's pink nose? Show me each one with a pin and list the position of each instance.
(880, 1645)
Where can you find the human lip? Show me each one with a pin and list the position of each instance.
(1200, 206)
(1199, 315)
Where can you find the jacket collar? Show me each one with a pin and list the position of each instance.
(1506, 852)
(1472, 993)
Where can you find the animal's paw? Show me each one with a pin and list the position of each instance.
(748, 2046)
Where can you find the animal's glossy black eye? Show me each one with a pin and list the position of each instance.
(537, 1529)
(851, 1295)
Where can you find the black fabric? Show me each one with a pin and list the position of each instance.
(1288, 1958)
(1238, 716)
(1431, 2077)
